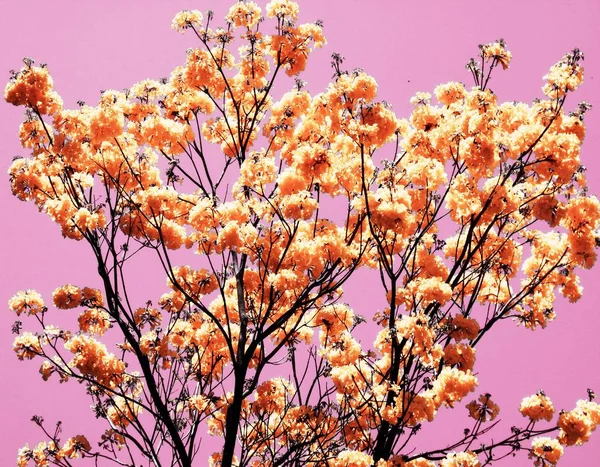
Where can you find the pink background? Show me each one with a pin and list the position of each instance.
(407, 47)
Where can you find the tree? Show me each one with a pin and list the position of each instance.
(301, 199)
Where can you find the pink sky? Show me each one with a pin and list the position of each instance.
(407, 46)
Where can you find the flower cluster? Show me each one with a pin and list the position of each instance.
(29, 302)
(537, 407)
(545, 451)
(46, 452)
(577, 425)
(92, 359)
(484, 409)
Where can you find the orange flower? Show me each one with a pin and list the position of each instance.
(186, 19)
(29, 302)
(92, 297)
(545, 451)
(33, 87)
(27, 346)
(352, 459)
(460, 354)
(272, 396)
(485, 410)
(464, 328)
(244, 14)
(564, 76)
(284, 9)
(94, 321)
(92, 359)
(75, 446)
(461, 459)
(24, 455)
(452, 385)
(496, 51)
(147, 315)
(122, 411)
(67, 296)
(577, 425)
(537, 407)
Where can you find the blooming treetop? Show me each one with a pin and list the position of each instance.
(480, 214)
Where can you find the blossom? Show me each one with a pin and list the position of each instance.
(272, 396)
(411, 409)
(27, 346)
(166, 135)
(113, 437)
(463, 197)
(545, 451)
(186, 19)
(340, 350)
(67, 296)
(29, 302)
(94, 321)
(460, 459)
(352, 459)
(122, 411)
(244, 14)
(496, 51)
(292, 48)
(350, 379)
(202, 72)
(537, 407)
(150, 316)
(106, 123)
(24, 455)
(450, 92)
(74, 446)
(460, 354)
(33, 87)
(282, 9)
(334, 318)
(485, 409)
(452, 385)
(418, 462)
(423, 291)
(40, 454)
(421, 98)
(92, 297)
(464, 328)
(93, 359)
(564, 76)
(46, 370)
(577, 425)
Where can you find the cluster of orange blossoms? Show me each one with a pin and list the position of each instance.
(504, 178)
(73, 448)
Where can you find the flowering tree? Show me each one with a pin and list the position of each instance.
(474, 212)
